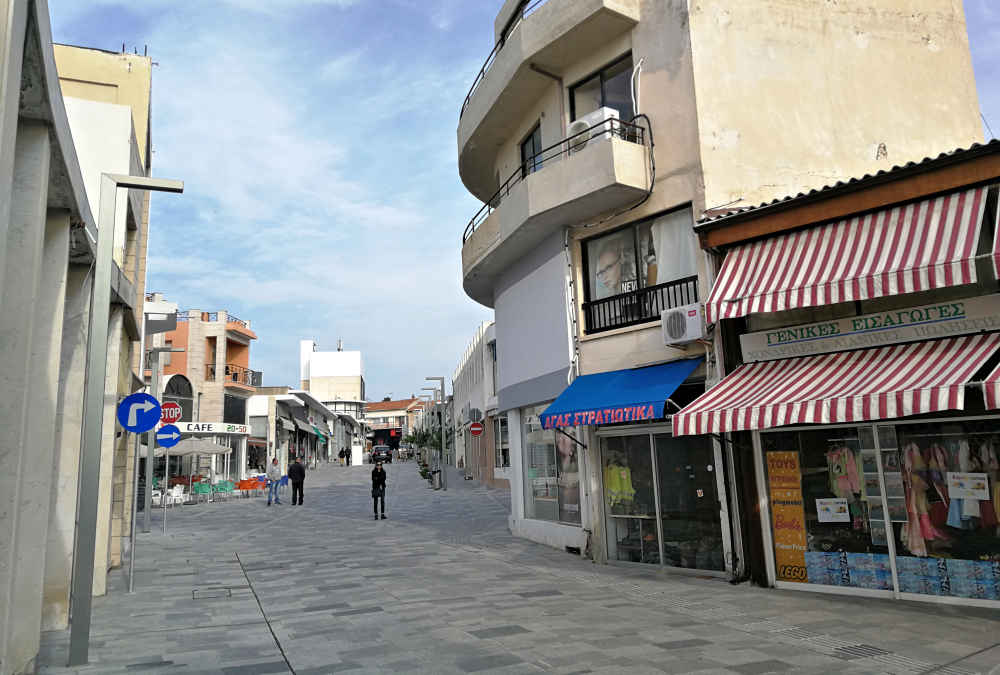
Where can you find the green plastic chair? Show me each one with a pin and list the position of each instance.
(202, 489)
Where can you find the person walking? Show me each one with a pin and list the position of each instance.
(297, 476)
(273, 481)
(378, 489)
(341, 455)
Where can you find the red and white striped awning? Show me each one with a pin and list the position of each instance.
(991, 389)
(869, 384)
(915, 247)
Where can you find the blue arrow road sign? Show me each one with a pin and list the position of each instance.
(168, 436)
(139, 412)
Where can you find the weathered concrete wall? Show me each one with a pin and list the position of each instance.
(66, 464)
(795, 94)
(20, 613)
(102, 551)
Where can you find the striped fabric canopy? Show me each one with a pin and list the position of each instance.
(869, 384)
(914, 247)
(991, 389)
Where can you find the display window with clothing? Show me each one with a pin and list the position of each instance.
(661, 499)
(910, 507)
(551, 471)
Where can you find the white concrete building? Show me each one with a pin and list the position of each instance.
(337, 379)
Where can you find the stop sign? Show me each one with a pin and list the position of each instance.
(170, 412)
(476, 428)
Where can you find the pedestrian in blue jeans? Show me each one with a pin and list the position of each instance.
(273, 481)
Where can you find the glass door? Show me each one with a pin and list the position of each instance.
(689, 502)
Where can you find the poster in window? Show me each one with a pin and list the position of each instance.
(968, 485)
(612, 263)
(787, 516)
(833, 510)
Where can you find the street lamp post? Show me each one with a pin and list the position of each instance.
(444, 473)
(85, 541)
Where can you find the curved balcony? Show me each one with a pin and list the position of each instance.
(575, 181)
(547, 37)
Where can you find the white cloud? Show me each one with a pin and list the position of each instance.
(322, 198)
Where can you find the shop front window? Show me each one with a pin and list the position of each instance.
(825, 497)
(944, 506)
(551, 473)
(922, 501)
(629, 499)
(661, 501)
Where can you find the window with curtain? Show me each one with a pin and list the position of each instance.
(644, 254)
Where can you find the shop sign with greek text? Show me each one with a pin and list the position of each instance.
(927, 322)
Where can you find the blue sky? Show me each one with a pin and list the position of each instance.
(316, 139)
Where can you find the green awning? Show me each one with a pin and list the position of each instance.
(319, 435)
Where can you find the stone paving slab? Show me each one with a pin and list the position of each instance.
(443, 587)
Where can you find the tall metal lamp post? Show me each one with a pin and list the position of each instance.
(444, 473)
(85, 542)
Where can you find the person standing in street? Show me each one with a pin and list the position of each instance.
(297, 476)
(273, 481)
(378, 489)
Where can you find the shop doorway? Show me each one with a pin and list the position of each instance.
(661, 501)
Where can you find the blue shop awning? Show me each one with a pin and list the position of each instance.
(632, 395)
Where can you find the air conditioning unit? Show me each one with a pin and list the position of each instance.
(579, 142)
(682, 325)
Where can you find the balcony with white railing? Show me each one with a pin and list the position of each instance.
(541, 38)
(593, 172)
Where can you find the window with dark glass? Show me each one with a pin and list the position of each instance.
(501, 442)
(609, 88)
(234, 410)
(531, 146)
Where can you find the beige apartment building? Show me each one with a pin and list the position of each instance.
(596, 134)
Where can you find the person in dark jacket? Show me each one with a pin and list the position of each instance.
(297, 476)
(378, 489)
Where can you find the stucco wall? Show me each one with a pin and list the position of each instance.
(531, 327)
(794, 94)
(102, 135)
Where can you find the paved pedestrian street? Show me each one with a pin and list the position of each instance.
(442, 587)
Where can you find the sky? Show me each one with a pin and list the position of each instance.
(316, 140)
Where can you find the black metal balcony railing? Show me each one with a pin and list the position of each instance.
(610, 128)
(639, 306)
(234, 374)
(526, 8)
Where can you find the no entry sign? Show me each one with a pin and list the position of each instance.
(170, 412)
(476, 428)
